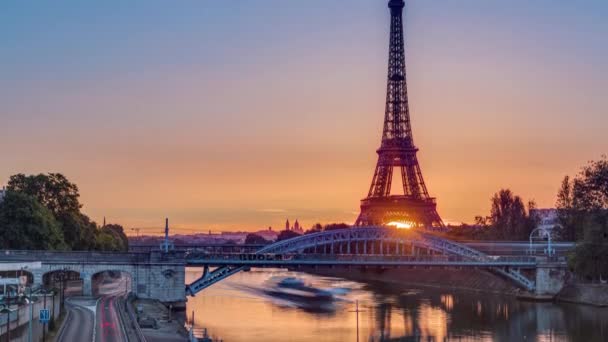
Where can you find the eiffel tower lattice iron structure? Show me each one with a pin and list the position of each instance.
(415, 207)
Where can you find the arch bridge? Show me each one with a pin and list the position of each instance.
(378, 246)
(161, 276)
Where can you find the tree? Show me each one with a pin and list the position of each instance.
(117, 232)
(508, 216)
(255, 239)
(26, 224)
(105, 241)
(316, 228)
(335, 226)
(61, 199)
(287, 234)
(52, 190)
(78, 229)
(584, 206)
(569, 228)
(60, 196)
(590, 257)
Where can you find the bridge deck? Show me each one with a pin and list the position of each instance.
(283, 260)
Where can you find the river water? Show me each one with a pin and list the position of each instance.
(236, 310)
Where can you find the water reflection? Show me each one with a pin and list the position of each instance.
(390, 313)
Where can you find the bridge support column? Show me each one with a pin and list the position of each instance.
(364, 247)
(550, 279)
(87, 287)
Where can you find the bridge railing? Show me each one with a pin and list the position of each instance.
(238, 257)
(73, 256)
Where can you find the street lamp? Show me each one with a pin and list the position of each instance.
(7, 311)
(30, 300)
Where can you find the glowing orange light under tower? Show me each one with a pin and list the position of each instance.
(401, 225)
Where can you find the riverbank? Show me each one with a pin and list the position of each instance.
(158, 323)
(475, 280)
(589, 294)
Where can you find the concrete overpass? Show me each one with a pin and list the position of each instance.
(153, 274)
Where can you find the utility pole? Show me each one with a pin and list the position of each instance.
(44, 324)
(29, 336)
(8, 321)
(357, 312)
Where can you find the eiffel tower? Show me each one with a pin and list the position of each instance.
(415, 208)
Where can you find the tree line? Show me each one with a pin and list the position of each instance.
(44, 212)
(582, 207)
(582, 210)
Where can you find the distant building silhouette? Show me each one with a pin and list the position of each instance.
(547, 218)
(296, 227)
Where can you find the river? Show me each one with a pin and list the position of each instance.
(235, 310)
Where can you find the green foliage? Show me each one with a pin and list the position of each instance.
(52, 190)
(117, 233)
(255, 239)
(590, 258)
(78, 229)
(105, 241)
(26, 224)
(583, 213)
(60, 198)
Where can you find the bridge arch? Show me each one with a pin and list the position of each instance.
(414, 237)
(50, 278)
(111, 281)
(19, 273)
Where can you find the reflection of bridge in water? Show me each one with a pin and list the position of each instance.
(159, 275)
(407, 317)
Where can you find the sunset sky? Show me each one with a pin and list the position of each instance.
(226, 115)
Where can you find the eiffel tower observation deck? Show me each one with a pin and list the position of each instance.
(414, 207)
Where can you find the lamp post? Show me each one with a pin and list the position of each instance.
(7, 310)
(44, 324)
(30, 300)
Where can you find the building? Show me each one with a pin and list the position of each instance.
(547, 218)
(2, 193)
(296, 227)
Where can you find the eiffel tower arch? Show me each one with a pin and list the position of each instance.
(397, 150)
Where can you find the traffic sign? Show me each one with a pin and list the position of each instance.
(45, 315)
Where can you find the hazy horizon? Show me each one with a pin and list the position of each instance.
(228, 115)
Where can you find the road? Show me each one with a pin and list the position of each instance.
(108, 322)
(95, 319)
(79, 322)
(109, 325)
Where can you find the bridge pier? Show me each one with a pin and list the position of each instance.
(550, 278)
(87, 286)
